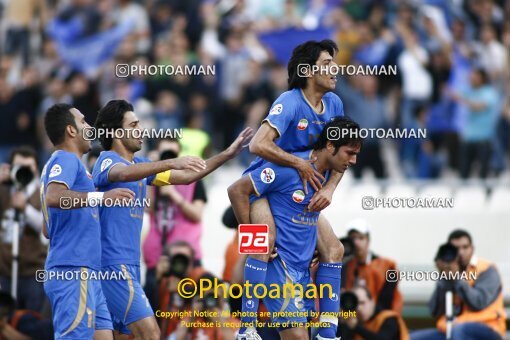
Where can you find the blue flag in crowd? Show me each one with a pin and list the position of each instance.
(282, 42)
(88, 53)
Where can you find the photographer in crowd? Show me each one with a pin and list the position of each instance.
(177, 216)
(368, 269)
(214, 324)
(175, 264)
(478, 310)
(21, 223)
(371, 321)
(21, 324)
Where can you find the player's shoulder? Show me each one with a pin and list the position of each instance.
(290, 95)
(63, 156)
(270, 172)
(105, 159)
(138, 159)
(285, 102)
(332, 97)
(61, 159)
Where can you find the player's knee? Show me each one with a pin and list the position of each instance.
(334, 254)
(153, 333)
(339, 252)
(262, 257)
(149, 331)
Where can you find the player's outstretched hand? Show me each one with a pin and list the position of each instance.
(189, 163)
(309, 175)
(119, 194)
(241, 142)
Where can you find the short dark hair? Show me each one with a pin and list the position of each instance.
(110, 118)
(459, 233)
(24, 151)
(347, 127)
(56, 120)
(307, 53)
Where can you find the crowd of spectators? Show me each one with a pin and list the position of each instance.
(451, 59)
(452, 79)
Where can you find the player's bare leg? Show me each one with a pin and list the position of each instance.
(103, 334)
(255, 268)
(146, 329)
(260, 213)
(331, 252)
(300, 333)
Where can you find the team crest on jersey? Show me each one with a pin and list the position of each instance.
(267, 175)
(55, 170)
(105, 163)
(276, 110)
(303, 124)
(298, 196)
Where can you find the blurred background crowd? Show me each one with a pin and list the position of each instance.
(451, 58)
(452, 61)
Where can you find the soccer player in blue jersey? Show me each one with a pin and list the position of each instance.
(118, 167)
(72, 226)
(296, 224)
(294, 122)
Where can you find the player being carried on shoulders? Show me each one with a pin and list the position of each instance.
(296, 227)
(295, 121)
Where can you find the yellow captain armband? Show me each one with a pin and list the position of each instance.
(163, 178)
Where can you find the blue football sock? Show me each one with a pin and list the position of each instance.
(254, 273)
(329, 274)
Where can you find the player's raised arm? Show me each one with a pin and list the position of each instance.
(241, 142)
(239, 195)
(58, 195)
(263, 145)
(129, 173)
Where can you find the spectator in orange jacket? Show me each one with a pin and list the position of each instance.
(478, 305)
(368, 269)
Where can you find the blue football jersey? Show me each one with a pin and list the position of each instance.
(74, 233)
(121, 225)
(297, 122)
(296, 228)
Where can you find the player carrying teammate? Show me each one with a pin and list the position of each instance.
(72, 226)
(118, 167)
(296, 225)
(295, 121)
